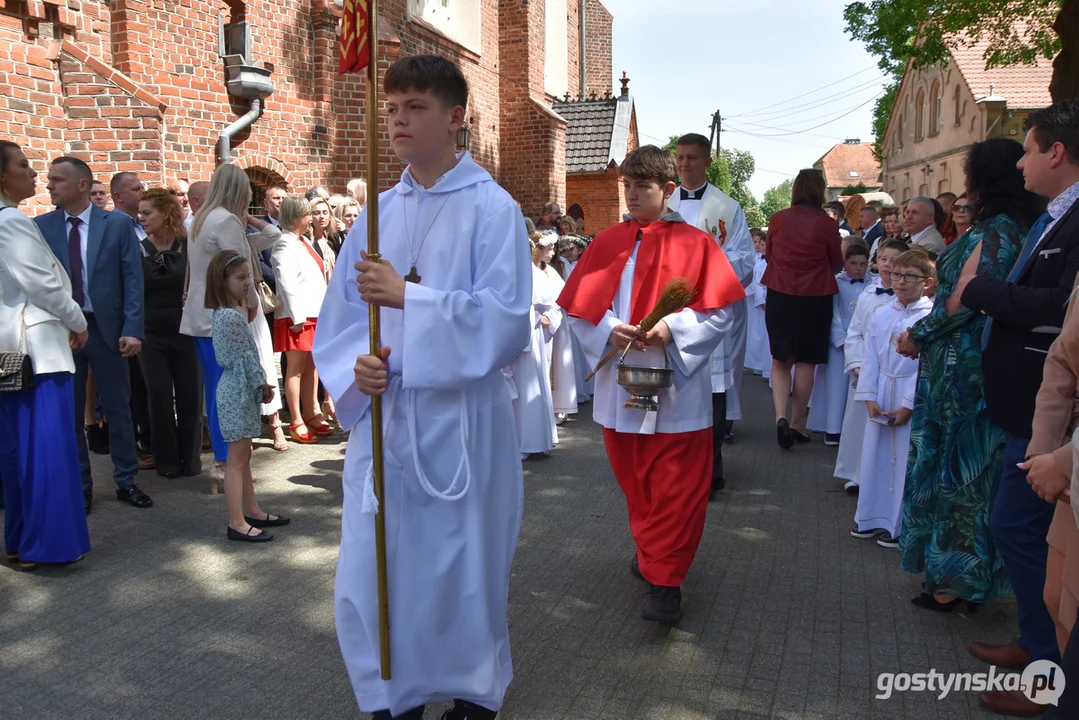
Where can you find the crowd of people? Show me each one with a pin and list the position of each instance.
(934, 343)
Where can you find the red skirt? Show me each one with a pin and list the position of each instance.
(284, 340)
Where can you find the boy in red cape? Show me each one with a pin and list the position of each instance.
(661, 459)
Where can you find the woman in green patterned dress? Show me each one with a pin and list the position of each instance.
(956, 450)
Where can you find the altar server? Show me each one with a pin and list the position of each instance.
(661, 459)
(453, 479)
(758, 352)
(828, 402)
(872, 298)
(886, 386)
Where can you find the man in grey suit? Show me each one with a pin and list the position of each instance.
(100, 252)
(920, 222)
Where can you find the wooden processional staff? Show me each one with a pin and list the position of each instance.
(359, 51)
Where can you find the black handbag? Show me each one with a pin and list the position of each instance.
(16, 368)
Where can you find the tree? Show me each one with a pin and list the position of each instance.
(919, 31)
(854, 190)
(776, 199)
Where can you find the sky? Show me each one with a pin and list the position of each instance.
(763, 63)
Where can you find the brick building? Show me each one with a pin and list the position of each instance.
(143, 85)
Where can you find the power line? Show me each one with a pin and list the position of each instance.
(804, 120)
(811, 92)
(806, 131)
(820, 102)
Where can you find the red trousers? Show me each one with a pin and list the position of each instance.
(666, 478)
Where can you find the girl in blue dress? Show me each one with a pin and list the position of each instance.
(240, 391)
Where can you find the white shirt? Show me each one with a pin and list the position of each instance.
(139, 232)
(84, 239)
(187, 222)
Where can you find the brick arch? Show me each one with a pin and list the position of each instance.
(261, 167)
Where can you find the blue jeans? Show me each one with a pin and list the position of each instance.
(1020, 521)
(114, 389)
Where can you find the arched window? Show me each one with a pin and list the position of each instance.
(919, 115)
(934, 108)
(899, 133)
(958, 106)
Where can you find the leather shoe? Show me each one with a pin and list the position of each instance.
(134, 496)
(1010, 702)
(264, 536)
(278, 521)
(1006, 656)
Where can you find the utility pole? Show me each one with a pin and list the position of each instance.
(717, 128)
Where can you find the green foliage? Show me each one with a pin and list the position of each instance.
(854, 189)
(776, 199)
(898, 31)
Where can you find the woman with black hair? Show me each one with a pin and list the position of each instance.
(956, 450)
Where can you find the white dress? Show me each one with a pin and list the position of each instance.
(888, 379)
(454, 484)
(533, 408)
(563, 374)
(849, 458)
(828, 402)
(758, 351)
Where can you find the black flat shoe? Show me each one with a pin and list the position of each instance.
(783, 434)
(277, 521)
(169, 474)
(248, 537)
(134, 496)
(928, 602)
(799, 437)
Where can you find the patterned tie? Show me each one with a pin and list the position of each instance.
(74, 252)
(1034, 238)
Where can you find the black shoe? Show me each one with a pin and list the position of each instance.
(462, 710)
(864, 534)
(134, 496)
(635, 569)
(851, 487)
(800, 437)
(87, 500)
(927, 601)
(97, 438)
(263, 536)
(887, 541)
(831, 439)
(783, 434)
(278, 521)
(664, 604)
(170, 474)
(728, 435)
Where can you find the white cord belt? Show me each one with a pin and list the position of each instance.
(450, 494)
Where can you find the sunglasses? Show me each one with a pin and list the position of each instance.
(962, 208)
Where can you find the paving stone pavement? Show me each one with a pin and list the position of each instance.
(786, 616)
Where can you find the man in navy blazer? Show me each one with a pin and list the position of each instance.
(872, 228)
(100, 252)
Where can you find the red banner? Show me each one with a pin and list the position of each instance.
(355, 51)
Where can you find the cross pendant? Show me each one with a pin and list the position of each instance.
(413, 276)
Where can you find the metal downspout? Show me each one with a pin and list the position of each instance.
(224, 146)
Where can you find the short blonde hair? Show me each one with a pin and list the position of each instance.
(293, 209)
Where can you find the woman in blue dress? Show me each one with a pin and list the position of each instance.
(240, 391)
(956, 450)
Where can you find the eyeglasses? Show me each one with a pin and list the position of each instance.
(908, 278)
(961, 208)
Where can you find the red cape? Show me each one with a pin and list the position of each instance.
(668, 250)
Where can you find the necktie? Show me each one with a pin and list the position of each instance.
(885, 291)
(858, 280)
(74, 252)
(1034, 238)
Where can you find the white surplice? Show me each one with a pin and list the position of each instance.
(758, 351)
(581, 368)
(454, 483)
(686, 405)
(849, 458)
(563, 372)
(533, 408)
(888, 379)
(828, 403)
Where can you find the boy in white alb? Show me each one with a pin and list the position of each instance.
(872, 298)
(829, 399)
(758, 353)
(453, 479)
(886, 388)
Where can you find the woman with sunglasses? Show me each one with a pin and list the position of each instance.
(169, 361)
(962, 215)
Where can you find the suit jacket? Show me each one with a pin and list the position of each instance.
(35, 289)
(1027, 317)
(301, 283)
(113, 269)
(803, 252)
(932, 241)
(874, 233)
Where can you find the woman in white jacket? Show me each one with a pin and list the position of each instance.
(301, 286)
(44, 516)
